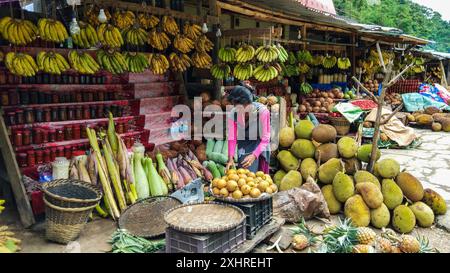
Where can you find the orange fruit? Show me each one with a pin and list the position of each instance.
(260, 174)
(250, 174)
(241, 182)
(251, 184)
(255, 193)
(249, 179)
(269, 190)
(241, 171)
(274, 188)
(221, 183)
(237, 194)
(263, 185)
(232, 185)
(231, 171)
(216, 191)
(214, 182)
(242, 176)
(234, 177)
(246, 196)
(224, 192)
(245, 189)
(225, 178)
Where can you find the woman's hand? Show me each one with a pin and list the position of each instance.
(248, 161)
(230, 164)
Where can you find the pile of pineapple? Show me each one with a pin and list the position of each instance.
(243, 183)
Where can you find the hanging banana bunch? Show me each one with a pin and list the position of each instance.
(265, 72)
(344, 63)
(179, 62)
(283, 56)
(112, 61)
(109, 35)
(183, 43)
(170, 25)
(159, 64)
(135, 35)
(192, 31)
(158, 39)
(137, 62)
(245, 53)
(52, 30)
(317, 60)
(267, 54)
(21, 64)
(304, 56)
(220, 71)
(243, 71)
(52, 62)
(91, 13)
(303, 68)
(201, 59)
(18, 32)
(86, 37)
(204, 44)
(83, 63)
(329, 61)
(123, 19)
(227, 54)
(148, 21)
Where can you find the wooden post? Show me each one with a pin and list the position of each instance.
(15, 177)
(214, 10)
(353, 55)
(304, 34)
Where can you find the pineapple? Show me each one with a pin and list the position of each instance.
(383, 245)
(395, 249)
(363, 249)
(303, 236)
(409, 244)
(365, 235)
(300, 242)
(341, 238)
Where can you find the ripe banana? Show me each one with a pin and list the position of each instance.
(123, 19)
(169, 25)
(245, 53)
(109, 36)
(179, 62)
(265, 72)
(148, 21)
(344, 63)
(204, 44)
(267, 54)
(52, 62)
(91, 13)
(52, 30)
(83, 63)
(220, 71)
(304, 56)
(87, 37)
(137, 62)
(21, 64)
(159, 64)
(329, 61)
(18, 32)
(317, 60)
(243, 71)
(192, 31)
(135, 35)
(112, 61)
(201, 59)
(227, 54)
(158, 39)
(183, 43)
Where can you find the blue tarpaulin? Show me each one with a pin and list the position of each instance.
(417, 102)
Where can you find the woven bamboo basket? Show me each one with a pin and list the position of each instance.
(341, 124)
(70, 193)
(65, 224)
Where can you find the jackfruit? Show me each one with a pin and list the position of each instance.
(328, 171)
(364, 152)
(392, 194)
(388, 168)
(308, 167)
(435, 201)
(278, 176)
(291, 180)
(436, 127)
(287, 137)
(371, 194)
(424, 214)
(403, 219)
(303, 148)
(343, 187)
(304, 129)
(439, 117)
(411, 186)
(356, 210)
(347, 147)
(432, 110)
(352, 165)
(424, 119)
(324, 133)
(375, 171)
(326, 152)
(288, 161)
(365, 176)
(446, 125)
(334, 206)
(380, 217)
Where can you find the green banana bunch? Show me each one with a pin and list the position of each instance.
(243, 71)
(83, 63)
(109, 35)
(112, 61)
(245, 53)
(292, 70)
(303, 68)
(137, 62)
(87, 37)
(52, 62)
(291, 58)
(135, 35)
(329, 61)
(18, 32)
(227, 54)
(265, 72)
(305, 88)
(317, 60)
(267, 54)
(344, 63)
(304, 56)
(21, 64)
(220, 71)
(52, 30)
(284, 56)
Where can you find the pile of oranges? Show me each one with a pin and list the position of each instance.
(243, 183)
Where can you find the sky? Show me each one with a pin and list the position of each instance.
(441, 6)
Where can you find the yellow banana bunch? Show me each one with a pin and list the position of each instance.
(91, 13)
(267, 54)
(52, 62)
(112, 61)
(192, 31)
(21, 64)
(170, 25)
(344, 63)
(137, 62)
(83, 63)
(18, 32)
(183, 43)
(227, 54)
(201, 59)
(317, 60)
(2, 202)
(159, 64)
(303, 68)
(52, 30)
(8, 242)
(109, 35)
(179, 62)
(135, 35)
(123, 19)
(329, 61)
(245, 53)
(87, 37)
(265, 72)
(220, 71)
(158, 40)
(204, 44)
(148, 21)
(243, 71)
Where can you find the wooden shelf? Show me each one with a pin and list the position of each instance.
(69, 87)
(115, 102)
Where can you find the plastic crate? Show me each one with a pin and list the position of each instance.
(219, 242)
(258, 214)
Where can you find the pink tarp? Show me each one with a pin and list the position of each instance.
(321, 5)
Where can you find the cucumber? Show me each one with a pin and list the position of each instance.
(218, 158)
(221, 169)
(225, 148)
(209, 146)
(212, 167)
(218, 146)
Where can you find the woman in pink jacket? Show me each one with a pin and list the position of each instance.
(248, 127)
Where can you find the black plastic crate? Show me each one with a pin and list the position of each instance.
(219, 242)
(258, 214)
